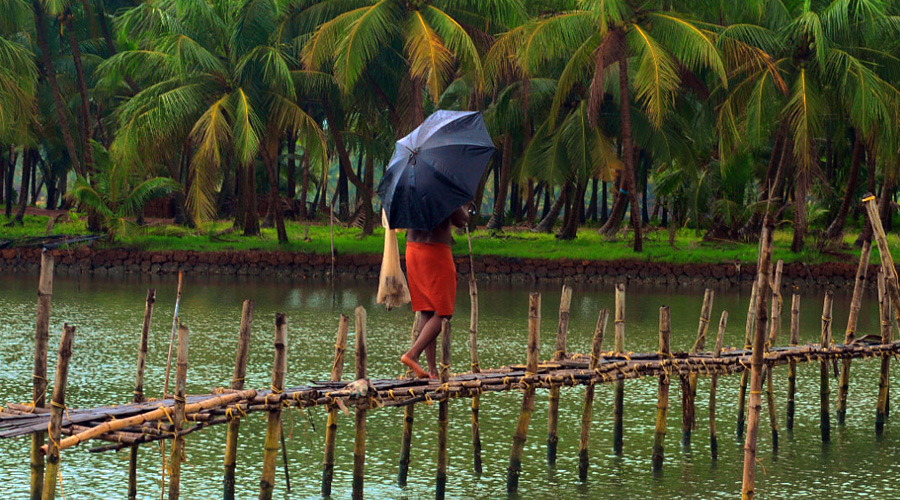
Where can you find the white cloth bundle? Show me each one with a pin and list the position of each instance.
(392, 288)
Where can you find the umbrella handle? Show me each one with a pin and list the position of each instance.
(471, 260)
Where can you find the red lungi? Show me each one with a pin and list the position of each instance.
(431, 273)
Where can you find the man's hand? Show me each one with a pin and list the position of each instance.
(460, 217)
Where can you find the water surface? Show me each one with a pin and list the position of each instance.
(108, 315)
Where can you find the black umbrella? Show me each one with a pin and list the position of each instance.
(435, 169)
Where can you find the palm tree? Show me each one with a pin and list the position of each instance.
(605, 35)
(807, 64)
(224, 86)
(18, 73)
(119, 193)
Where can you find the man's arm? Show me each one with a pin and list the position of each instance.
(460, 217)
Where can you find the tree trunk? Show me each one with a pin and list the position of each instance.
(346, 168)
(61, 189)
(27, 165)
(87, 149)
(836, 229)
(630, 178)
(604, 203)
(548, 192)
(304, 189)
(368, 210)
(866, 233)
(592, 204)
(251, 210)
(479, 199)
(569, 230)
(546, 224)
(240, 201)
(291, 168)
(617, 213)
(645, 174)
(498, 215)
(49, 72)
(270, 158)
(343, 189)
(3, 195)
(530, 204)
(10, 176)
(800, 222)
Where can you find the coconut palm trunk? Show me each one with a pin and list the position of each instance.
(304, 188)
(546, 224)
(251, 211)
(569, 231)
(27, 165)
(801, 188)
(270, 158)
(66, 19)
(347, 170)
(836, 229)
(630, 179)
(498, 215)
(49, 71)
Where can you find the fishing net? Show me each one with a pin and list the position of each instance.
(392, 288)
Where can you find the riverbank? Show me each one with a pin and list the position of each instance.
(365, 267)
(514, 256)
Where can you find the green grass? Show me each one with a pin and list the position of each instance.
(513, 243)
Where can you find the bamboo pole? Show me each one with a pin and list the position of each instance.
(824, 390)
(172, 338)
(39, 376)
(748, 483)
(859, 286)
(473, 353)
(745, 376)
(714, 380)
(359, 446)
(273, 424)
(588, 409)
(58, 407)
(619, 390)
(774, 330)
(177, 455)
(518, 446)
(884, 311)
(792, 364)
(337, 371)
(887, 261)
(237, 383)
(562, 332)
(662, 402)
(139, 387)
(689, 382)
(443, 413)
(409, 415)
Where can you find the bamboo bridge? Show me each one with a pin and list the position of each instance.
(56, 428)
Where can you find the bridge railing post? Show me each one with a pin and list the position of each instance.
(588, 409)
(534, 337)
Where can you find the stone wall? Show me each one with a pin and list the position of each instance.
(116, 262)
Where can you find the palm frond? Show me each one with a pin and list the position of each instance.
(692, 46)
(456, 39)
(363, 39)
(656, 79)
(805, 117)
(429, 60)
(211, 134)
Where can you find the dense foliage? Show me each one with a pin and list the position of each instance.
(702, 114)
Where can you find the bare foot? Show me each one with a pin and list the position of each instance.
(414, 366)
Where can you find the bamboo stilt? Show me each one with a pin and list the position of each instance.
(443, 414)
(237, 383)
(58, 407)
(713, 383)
(39, 376)
(745, 376)
(337, 371)
(859, 286)
(473, 353)
(792, 365)
(359, 446)
(518, 446)
(619, 391)
(774, 330)
(408, 417)
(662, 402)
(172, 338)
(588, 409)
(887, 261)
(824, 390)
(562, 332)
(139, 387)
(273, 424)
(748, 483)
(177, 456)
(884, 309)
(689, 382)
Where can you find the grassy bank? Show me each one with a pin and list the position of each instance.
(512, 243)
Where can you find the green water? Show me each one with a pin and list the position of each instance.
(108, 315)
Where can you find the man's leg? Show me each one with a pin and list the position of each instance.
(431, 327)
(431, 349)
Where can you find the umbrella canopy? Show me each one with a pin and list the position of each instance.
(435, 169)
